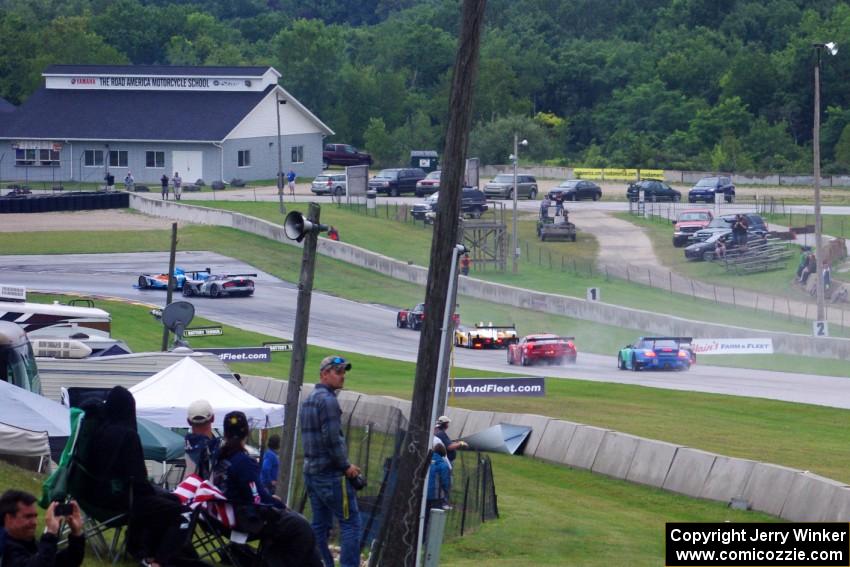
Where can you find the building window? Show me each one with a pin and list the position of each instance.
(244, 158)
(25, 156)
(93, 158)
(155, 159)
(117, 158)
(48, 158)
(297, 154)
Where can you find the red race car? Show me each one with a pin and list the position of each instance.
(551, 349)
(413, 318)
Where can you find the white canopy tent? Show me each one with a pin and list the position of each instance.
(165, 397)
(19, 441)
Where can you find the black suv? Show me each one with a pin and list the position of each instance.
(472, 203)
(575, 189)
(394, 182)
(755, 226)
(707, 187)
(653, 190)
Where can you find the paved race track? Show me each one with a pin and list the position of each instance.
(370, 329)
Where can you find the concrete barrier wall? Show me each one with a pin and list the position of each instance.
(780, 491)
(577, 308)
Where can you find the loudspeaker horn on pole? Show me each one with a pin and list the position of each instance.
(296, 226)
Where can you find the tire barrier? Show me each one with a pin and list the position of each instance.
(78, 201)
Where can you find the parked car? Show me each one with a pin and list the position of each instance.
(689, 222)
(429, 185)
(329, 184)
(396, 181)
(473, 203)
(755, 226)
(653, 190)
(657, 353)
(574, 190)
(704, 249)
(707, 187)
(344, 154)
(502, 186)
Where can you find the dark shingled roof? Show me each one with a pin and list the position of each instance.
(6, 106)
(129, 115)
(154, 70)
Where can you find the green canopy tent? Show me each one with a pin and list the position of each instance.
(159, 443)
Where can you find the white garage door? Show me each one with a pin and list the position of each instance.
(190, 165)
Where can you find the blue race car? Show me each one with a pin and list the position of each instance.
(659, 353)
(160, 281)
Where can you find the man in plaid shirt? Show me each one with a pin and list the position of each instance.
(326, 465)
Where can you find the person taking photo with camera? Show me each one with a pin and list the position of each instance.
(19, 520)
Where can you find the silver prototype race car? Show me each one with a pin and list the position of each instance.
(219, 285)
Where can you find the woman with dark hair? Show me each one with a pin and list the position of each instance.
(287, 537)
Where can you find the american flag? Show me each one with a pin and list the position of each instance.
(195, 491)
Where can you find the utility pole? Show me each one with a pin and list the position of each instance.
(396, 544)
(299, 356)
(278, 102)
(513, 232)
(171, 261)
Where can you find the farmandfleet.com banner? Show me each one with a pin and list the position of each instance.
(732, 346)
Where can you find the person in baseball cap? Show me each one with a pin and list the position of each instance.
(201, 443)
(440, 433)
(336, 362)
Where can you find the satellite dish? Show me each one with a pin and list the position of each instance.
(176, 316)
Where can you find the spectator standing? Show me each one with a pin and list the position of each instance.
(827, 276)
(441, 433)
(739, 231)
(201, 444)
(439, 478)
(110, 181)
(19, 519)
(333, 233)
(290, 178)
(326, 465)
(804, 258)
(465, 261)
(286, 535)
(129, 181)
(178, 185)
(271, 465)
(164, 182)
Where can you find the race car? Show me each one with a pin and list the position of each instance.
(671, 353)
(414, 317)
(218, 285)
(160, 281)
(486, 336)
(548, 348)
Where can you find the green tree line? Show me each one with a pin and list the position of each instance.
(687, 84)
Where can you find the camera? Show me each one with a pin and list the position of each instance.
(63, 509)
(358, 482)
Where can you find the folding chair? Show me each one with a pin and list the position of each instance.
(103, 526)
(213, 538)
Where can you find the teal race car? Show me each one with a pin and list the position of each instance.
(657, 353)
